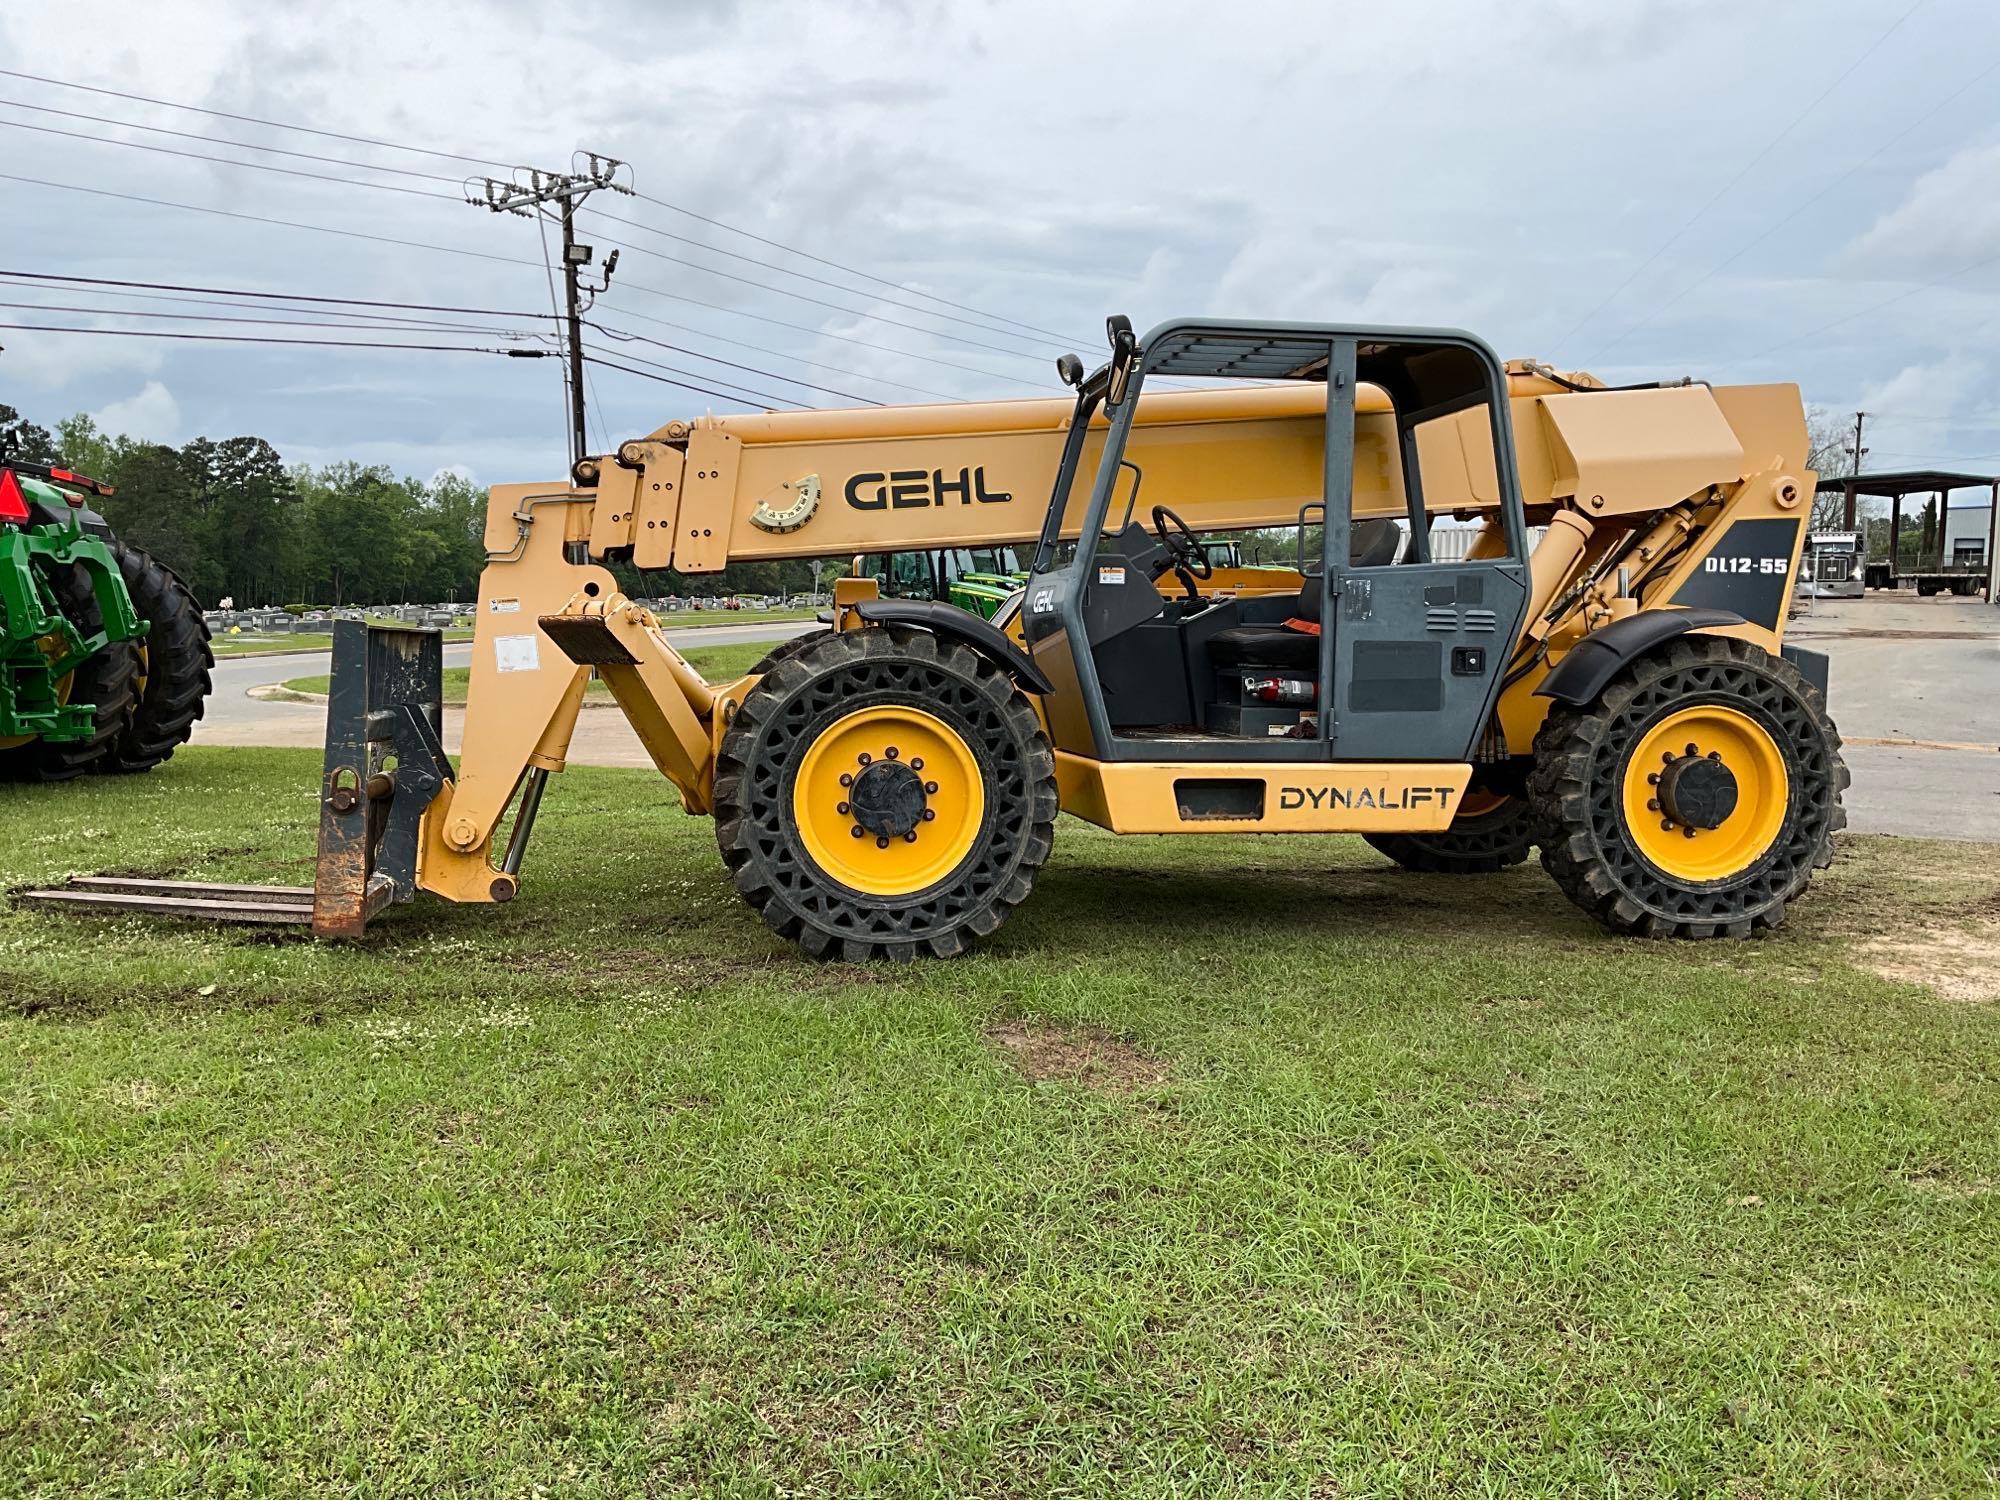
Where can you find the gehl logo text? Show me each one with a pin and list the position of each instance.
(914, 489)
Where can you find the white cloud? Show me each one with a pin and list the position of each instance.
(1930, 391)
(1948, 220)
(152, 413)
(56, 362)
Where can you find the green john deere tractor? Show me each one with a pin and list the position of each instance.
(976, 579)
(104, 655)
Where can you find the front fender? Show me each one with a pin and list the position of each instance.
(1593, 661)
(957, 624)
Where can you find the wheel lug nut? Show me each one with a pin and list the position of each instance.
(857, 830)
(1688, 831)
(890, 752)
(931, 787)
(865, 757)
(1652, 779)
(847, 778)
(1667, 824)
(1692, 751)
(910, 837)
(916, 762)
(1666, 758)
(841, 808)
(1652, 805)
(930, 816)
(1715, 755)
(881, 843)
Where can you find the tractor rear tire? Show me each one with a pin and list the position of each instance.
(883, 793)
(1481, 842)
(1696, 797)
(175, 662)
(109, 679)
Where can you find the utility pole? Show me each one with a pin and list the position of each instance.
(556, 195)
(1855, 471)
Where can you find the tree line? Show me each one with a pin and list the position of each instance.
(236, 521)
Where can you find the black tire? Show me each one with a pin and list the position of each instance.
(809, 694)
(176, 662)
(108, 679)
(786, 650)
(1476, 844)
(1578, 786)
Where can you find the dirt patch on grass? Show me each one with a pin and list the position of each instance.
(1047, 1053)
(1954, 963)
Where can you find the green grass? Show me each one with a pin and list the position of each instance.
(708, 619)
(1381, 1185)
(716, 663)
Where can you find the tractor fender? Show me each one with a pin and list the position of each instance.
(89, 520)
(949, 620)
(1593, 661)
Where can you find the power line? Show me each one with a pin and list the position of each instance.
(722, 338)
(1742, 172)
(840, 266)
(729, 386)
(245, 338)
(221, 114)
(408, 325)
(1974, 424)
(1859, 312)
(213, 140)
(852, 312)
(230, 291)
(510, 260)
(821, 333)
(1751, 244)
(592, 359)
(627, 336)
(225, 161)
(351, 318)
(486, 161)
(230, 213)
(515, 260)
(803, 276)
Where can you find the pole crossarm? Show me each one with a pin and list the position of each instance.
(543, 191)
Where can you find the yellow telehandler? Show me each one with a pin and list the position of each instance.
(1527, 609)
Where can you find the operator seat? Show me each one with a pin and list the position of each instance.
(1294, 645)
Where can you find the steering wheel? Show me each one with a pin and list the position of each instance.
(1179, 539)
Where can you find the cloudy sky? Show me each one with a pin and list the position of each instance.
(1799, 191)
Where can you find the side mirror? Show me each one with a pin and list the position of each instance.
(1069, 370)
(1124, 344)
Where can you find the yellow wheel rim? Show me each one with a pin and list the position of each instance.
(1674, 833)
(910, 778)
(1478, 802)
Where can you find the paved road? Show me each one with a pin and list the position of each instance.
(603, 738)
(1915, 689)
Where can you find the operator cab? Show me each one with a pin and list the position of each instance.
(1404, 524)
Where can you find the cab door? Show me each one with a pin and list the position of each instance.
(1414, 646)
